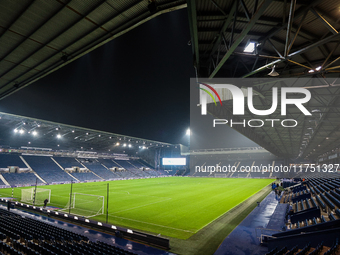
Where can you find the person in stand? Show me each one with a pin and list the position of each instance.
(45, 202)
(9, 205)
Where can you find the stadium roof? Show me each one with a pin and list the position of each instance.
(24, 132)
(39, 37)
(296, 39)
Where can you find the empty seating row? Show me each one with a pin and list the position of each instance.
(29, 236)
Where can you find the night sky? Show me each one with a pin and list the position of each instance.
(136, 85)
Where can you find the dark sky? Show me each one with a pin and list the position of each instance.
(137, 85)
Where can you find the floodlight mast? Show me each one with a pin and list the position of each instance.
(69, 210)
(35, 190)
(107, 202)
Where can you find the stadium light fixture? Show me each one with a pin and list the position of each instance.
(21, 131)
(124, 145)
(58, 136)
(250, 47)
(16, 131)
(34, 133)
(273, 73)
(188, 131)
(130, 145)
(117, 144)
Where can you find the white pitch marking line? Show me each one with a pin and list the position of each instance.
(148, 223)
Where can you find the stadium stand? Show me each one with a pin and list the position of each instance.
(315, 212)
(47, 169)
(23, 235)
(133, 171)
(99, 169)
(86, 176)
(21, 178)
(69, 163)
(119, 172)
(7, 160)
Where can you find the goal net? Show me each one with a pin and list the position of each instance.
(27, 196)
(220, 175)
(86, 205)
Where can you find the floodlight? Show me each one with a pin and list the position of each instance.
(130, 145)
(15, 130)
(34, 133)
(58, 136)
(188, 131)
(21, 131)
(318, 68)
(250, 47)
(273, 73)
(124, 145)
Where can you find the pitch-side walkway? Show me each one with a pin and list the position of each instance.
(94, 236)
(267, 218)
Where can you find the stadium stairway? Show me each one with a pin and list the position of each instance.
(266, 219)
(26, 164)
(4, 180)
(90, 170)
(92, 235)
(63, 169)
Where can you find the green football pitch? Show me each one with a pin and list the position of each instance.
(174, 206)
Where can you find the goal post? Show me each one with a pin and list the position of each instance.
(27, 195)
(86, 205)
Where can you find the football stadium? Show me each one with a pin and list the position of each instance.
(99, 167)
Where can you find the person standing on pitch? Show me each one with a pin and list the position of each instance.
(45, 202)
